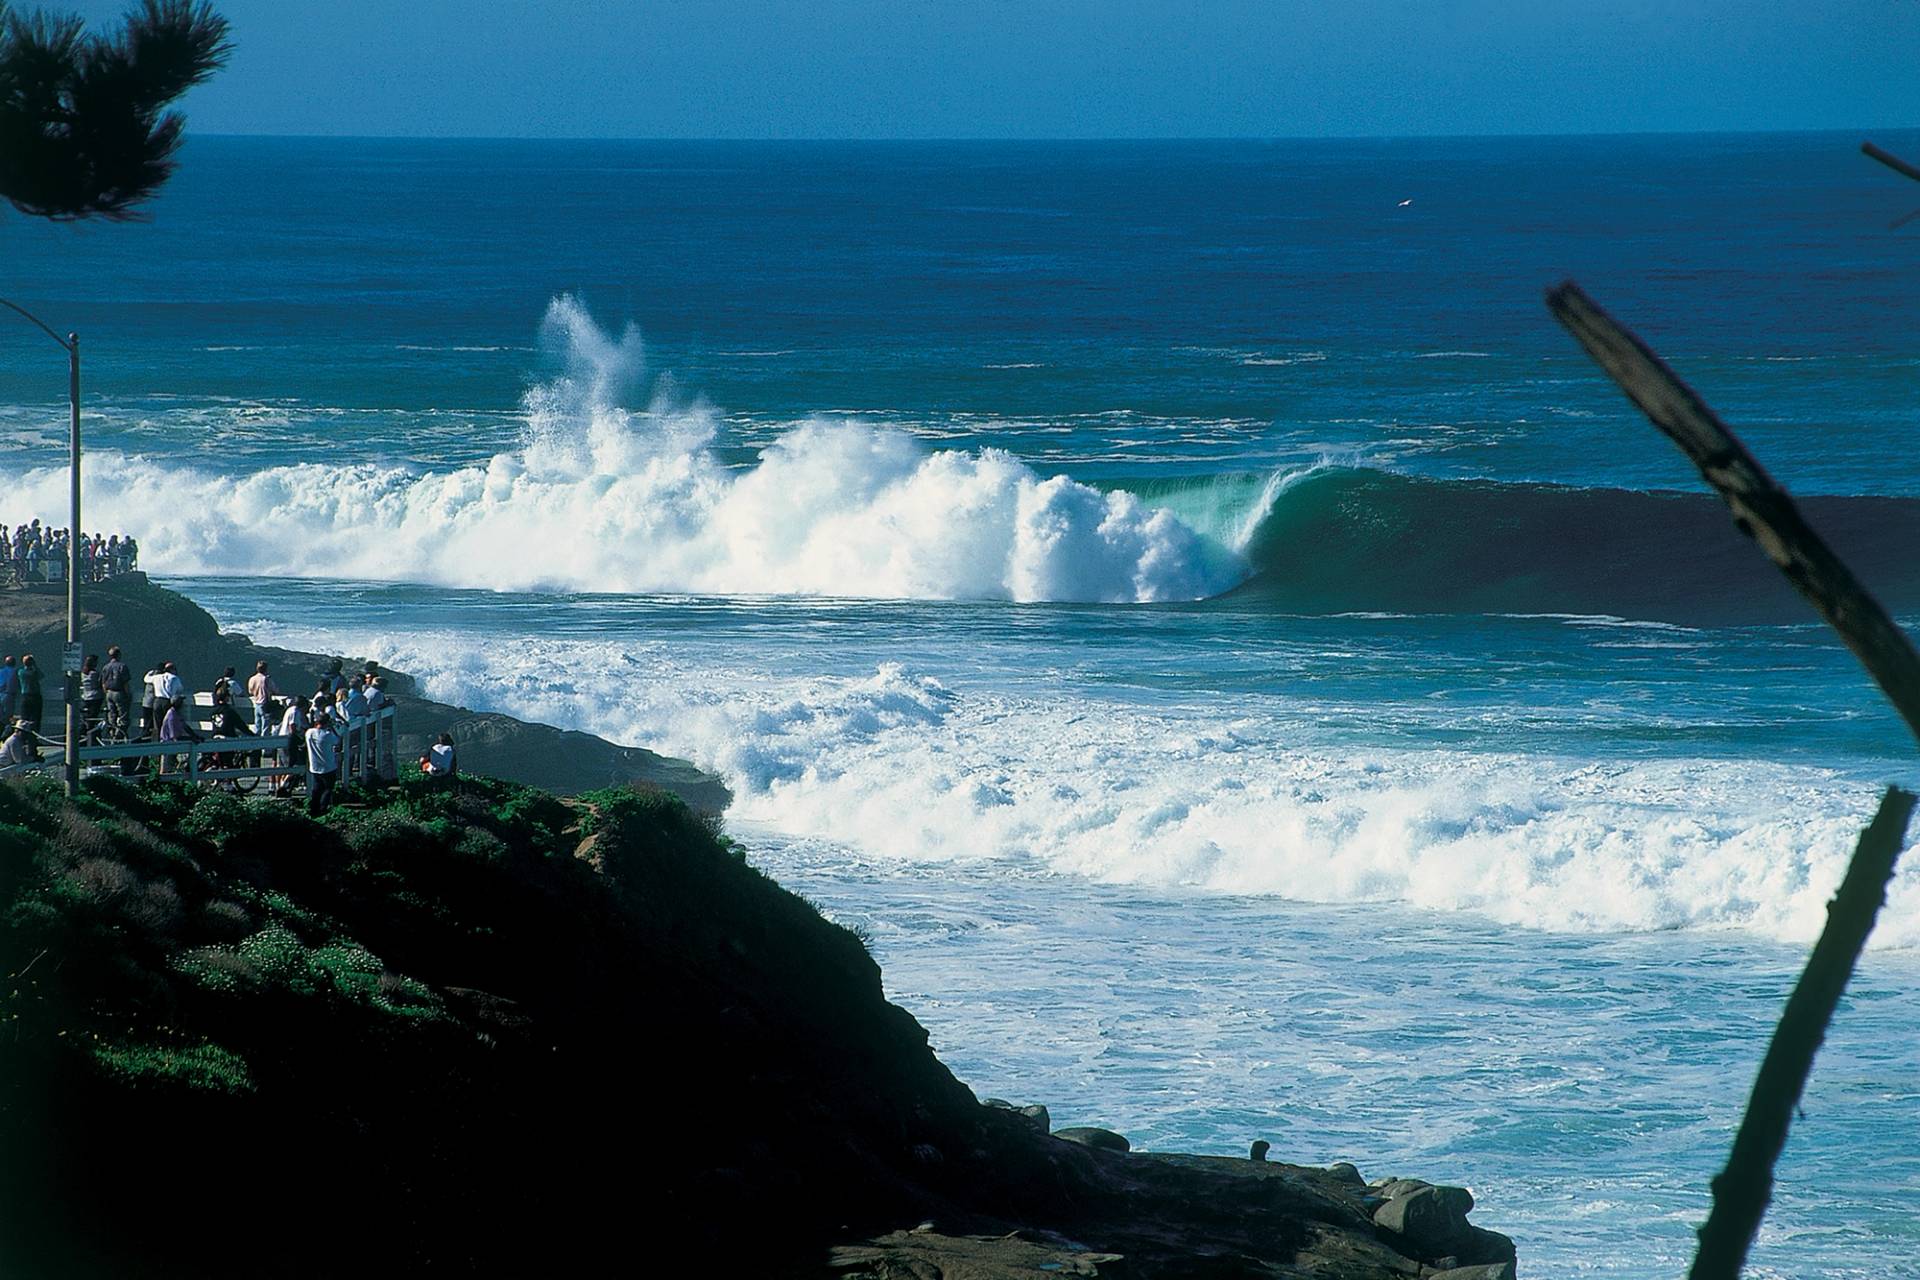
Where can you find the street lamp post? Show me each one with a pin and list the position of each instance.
(71, 345)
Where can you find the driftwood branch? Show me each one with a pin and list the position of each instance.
(1765, 513)
(1741, 1192)
(1761, 508)
(1890, 160)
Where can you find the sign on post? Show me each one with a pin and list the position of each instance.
(70, 659)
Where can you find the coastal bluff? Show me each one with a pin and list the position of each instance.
(152, 624)
(487, 1030)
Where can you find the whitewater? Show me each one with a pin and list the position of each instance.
(609, 499)
(1222, 789)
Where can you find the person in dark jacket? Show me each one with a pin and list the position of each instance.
(31, 698)
(115, 681)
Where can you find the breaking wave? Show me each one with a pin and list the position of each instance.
(598, 497)
(1340, 539)
(603, 498)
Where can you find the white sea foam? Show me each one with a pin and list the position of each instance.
(900, 764)
(602, 498)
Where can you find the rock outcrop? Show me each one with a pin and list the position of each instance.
(153, 624)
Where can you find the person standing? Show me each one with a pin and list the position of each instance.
(31, 699)
(115, 680)
(168, 687)
(175, 728)
(149, 722)
(263, 691)
(163, 687)
(9, 690)
(323, 765)
(92, 695)
(293, 727)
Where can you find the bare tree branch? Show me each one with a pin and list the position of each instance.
(1761, 508)
(1765, 513)
(1741, 1192)
(1890, 160)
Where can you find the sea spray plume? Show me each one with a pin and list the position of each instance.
(577, 424)
(602, 498)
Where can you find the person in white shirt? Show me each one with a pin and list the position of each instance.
(440, 762)
(18, 748)
(168, 687)
(293, 727)
(323, 766)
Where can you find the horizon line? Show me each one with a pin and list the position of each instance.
(1055, 139)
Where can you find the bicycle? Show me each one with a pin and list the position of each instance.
(233, 760)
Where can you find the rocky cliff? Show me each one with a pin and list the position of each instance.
(487, 1030)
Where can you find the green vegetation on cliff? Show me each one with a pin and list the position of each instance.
(491, 1031)
(424, 1032)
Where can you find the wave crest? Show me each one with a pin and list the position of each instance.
(603, 498)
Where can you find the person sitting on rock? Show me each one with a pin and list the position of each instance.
(441, 762)
(18, 748)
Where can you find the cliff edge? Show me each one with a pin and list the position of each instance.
(486, 1030)
(152, 624)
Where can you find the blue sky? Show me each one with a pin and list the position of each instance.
(1057, 68)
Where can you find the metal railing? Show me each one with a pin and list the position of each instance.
(369, 753)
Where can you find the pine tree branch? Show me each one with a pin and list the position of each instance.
(84, 130)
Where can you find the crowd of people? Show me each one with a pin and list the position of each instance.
(33, 555)
(319, 726)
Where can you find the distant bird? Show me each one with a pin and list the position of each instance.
(1404, 203)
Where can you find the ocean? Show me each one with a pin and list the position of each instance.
(1243, 666)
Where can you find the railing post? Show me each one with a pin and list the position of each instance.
(72, 763)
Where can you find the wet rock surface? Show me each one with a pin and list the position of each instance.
(1091, 1136)
(1178, 1216)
